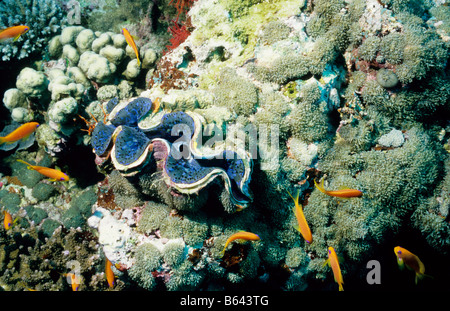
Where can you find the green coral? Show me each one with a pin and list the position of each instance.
(43, 191)
(185, 278)
(392, 47)
(369, 48)
(80, 209)
(274, 31)
(296, 257)
(288, 67)
(147, 259)
(386, 78)
(392, 182)
(308, 122)
(36, 214)
(10, 201)
(174, 253)
(236, 92)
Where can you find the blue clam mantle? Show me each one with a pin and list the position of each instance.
(134, 134)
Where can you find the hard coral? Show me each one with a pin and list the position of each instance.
(44, 18)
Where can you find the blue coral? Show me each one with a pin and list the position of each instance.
(45, 19)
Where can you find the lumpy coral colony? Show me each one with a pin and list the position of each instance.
(351, 92)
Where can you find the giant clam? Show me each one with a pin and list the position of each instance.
(134, 134)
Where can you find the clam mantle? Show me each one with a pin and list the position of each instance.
(137, 133)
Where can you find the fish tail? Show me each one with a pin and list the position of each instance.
(30, 167)
(341, 288)
(320, 187)
(138, 62)
(296, 197)
(2, 139)
(421, 276)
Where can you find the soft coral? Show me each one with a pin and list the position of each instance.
(181, 5)
(179, 35)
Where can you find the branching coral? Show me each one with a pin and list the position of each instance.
(45, 19)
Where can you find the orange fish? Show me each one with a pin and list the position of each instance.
(241, 235)
(405, 257)
(13, 32)
(130, 41)
(46, 171)
(333, 262)
(74, 280)
(302, 227)
(7, 221)
(343, 193)
(22, 132)
(109, 273)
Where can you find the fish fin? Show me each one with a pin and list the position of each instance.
(421, 276)
(15, 220)
(30, 166)
(343, 187)
(16, 38)
(297, 228)
(321, 186)
(3, 141)
(296, 197)
(327, 262)
(290, 195)
(341, 288)
(134, 37)
(400, 263)
(138, 61)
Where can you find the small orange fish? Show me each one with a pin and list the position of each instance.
(109, 274)
(333, 262)
(241, 235)
(239, 207)
(13, 32)
(22, 132)
(46, 171)
(74, 281)
(343, 193)
(131, 43)
(412, 262)
(7, 221)
(157, 105)
(302, 227)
